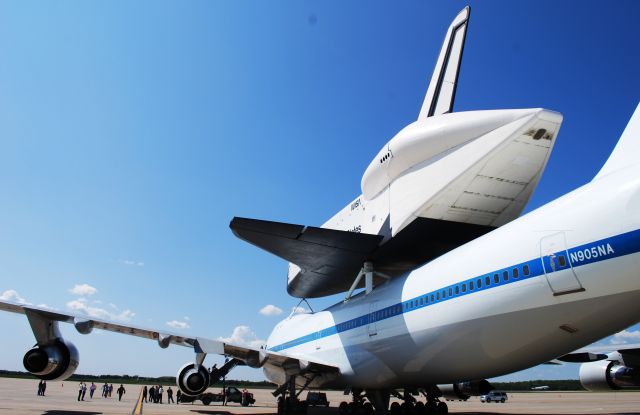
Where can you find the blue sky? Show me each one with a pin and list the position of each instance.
(132, 132)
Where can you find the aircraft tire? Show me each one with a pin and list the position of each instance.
(443, 408)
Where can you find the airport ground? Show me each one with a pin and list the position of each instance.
(19, 396)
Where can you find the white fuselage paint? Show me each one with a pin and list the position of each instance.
(502, 328)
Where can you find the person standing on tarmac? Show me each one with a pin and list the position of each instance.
(120, 392)
(79, 391)
(144, 394)
(92, 389)
(170, 395)
(160, 392)
(84, 390)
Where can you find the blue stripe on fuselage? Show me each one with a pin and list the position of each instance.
(608, 248)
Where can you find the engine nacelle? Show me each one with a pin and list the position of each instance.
(607, 375)
(55, 361)
(464, 390)
(193, 381)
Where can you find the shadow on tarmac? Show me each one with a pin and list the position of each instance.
(66, 412)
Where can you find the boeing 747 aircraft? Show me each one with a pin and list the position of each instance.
(456, 287)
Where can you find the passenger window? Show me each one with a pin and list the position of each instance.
(444, 294)
(464, 288)
(457, 290)
(421, 301)
(438, 296)
(505, 275)
(432, 298)
(561, 261)
(515, 272)
(525, 270)
(470, 285)
(450, 292)
(487, 280)
(479, 283)
(496, 279)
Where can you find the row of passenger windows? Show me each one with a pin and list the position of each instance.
(471, 285)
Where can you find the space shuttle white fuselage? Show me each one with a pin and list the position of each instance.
(474, 167)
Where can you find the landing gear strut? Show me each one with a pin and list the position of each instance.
(288, 402)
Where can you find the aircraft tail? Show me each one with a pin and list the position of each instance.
(627, 151)
(442, 88)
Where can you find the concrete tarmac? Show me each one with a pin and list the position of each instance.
(19, 396)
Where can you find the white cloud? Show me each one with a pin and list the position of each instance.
(47, 307)
(12, 295)
(80, 305)
(180, 325)
(625, 335)
(243, 336)
(83, 290)
(270, 310)
(131, 262)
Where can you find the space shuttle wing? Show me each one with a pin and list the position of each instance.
(325, 261)
(326, 253)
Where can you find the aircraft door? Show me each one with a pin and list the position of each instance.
(372, 327)
(557, 266)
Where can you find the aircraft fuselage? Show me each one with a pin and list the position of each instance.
(554, 280)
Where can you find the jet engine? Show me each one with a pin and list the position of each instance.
(193, 380)
(607, 375)
(464, 390)
(54, 361)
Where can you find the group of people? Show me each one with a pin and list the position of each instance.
(82, 390)
(42, 386)
(155, 393)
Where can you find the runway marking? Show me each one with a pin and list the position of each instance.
(137, 409)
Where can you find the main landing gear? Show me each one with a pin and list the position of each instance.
(288, 402)
(357, 406)
(380, 398)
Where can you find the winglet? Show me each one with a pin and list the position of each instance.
(442, 88)
(627, 150)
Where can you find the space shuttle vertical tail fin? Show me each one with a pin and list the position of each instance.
(442, 88)
(627, 151)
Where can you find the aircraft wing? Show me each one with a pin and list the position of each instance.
(41, 319)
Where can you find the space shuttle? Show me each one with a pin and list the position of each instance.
(440, 182)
